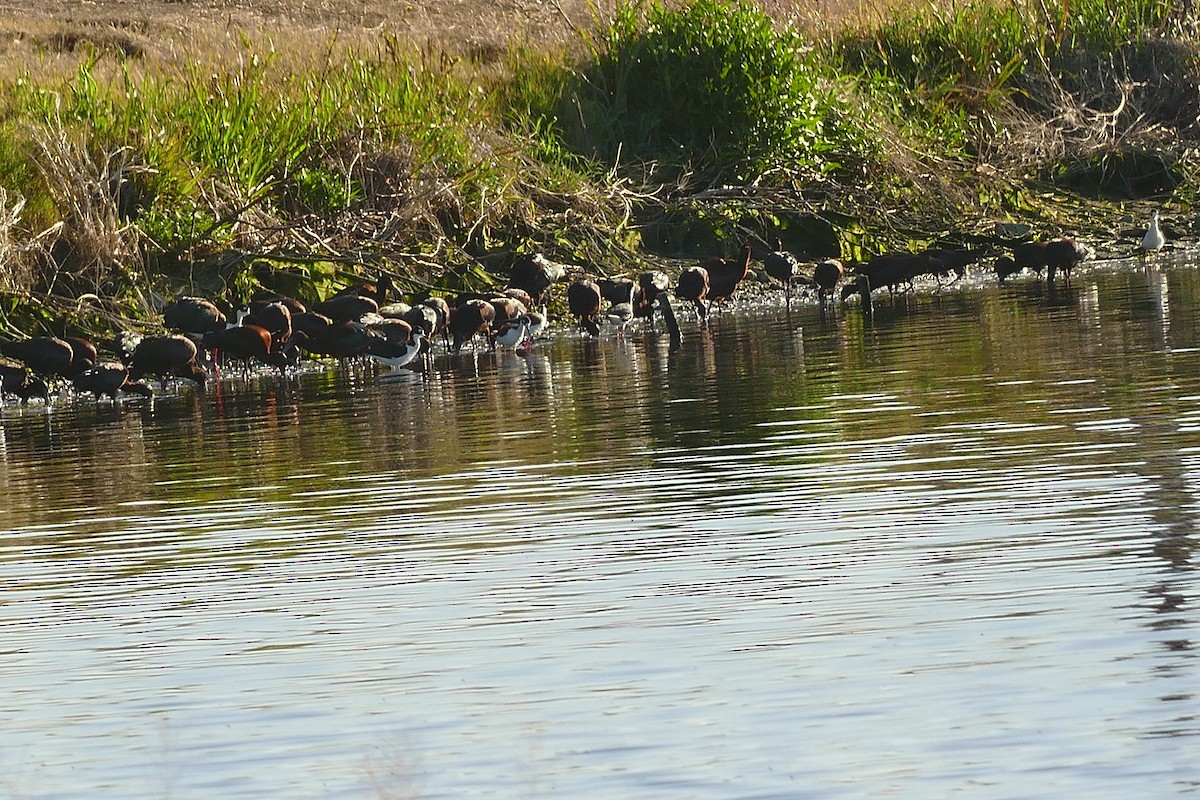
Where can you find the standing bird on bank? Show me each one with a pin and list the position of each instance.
(246, 343)
(826, 276)
(1154, 239)
(783, 267)
(583, 301)
(724, 274)
(692, 285)
(398, 354)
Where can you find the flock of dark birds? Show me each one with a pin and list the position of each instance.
(363, 322)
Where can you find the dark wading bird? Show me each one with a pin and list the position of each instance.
(247, 344)
(194, 315)
(21, 383)
(692, 285)
(469, 319)
(783, 267)
(48, 356)
(166, 357)
(583, 300)
(108, 379)
(725, 274)
(1053, 255)
(534, 274)
(826, 276)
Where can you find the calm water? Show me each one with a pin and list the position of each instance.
(947, 552)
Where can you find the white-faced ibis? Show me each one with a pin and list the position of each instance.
(276, 317)
(340, 340)
(783, 267)
(956, 261)
(1053, 255)
(1154, 239)
(826, 276)
(108, 379)
(692, 285)
(583, 301)
(535, 274)
(377, 291)
(724, 274)
(347, 307)
(247, 344)
(22, 383)
(83, 355)
(651, 285)
(44, 355)
(194, 315)
(471, 318)
(166, 356)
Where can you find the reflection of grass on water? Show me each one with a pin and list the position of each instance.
(689, 126)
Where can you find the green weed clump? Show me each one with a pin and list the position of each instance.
(710, 88)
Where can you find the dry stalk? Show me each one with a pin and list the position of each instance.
(92, 243)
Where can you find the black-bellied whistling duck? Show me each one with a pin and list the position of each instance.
(166, 356)
(246, 343)
(195, 315)
(108, 379)
(783, 267)
(535, 274)
(692, 285)
(1053, 255)
(346, 308)
(44, 355)
(471, 318)
(826, 276)
(583, 301)
(724, 274)
(22, 383)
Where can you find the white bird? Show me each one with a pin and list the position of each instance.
(401, 355)
(1154, 239)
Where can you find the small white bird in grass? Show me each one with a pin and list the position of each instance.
(1154, 239)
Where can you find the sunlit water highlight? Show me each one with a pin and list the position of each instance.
(948, 550)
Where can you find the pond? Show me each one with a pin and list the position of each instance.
(949, 549)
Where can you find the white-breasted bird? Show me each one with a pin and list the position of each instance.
(1154, 239)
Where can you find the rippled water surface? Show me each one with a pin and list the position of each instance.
(947, 551)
